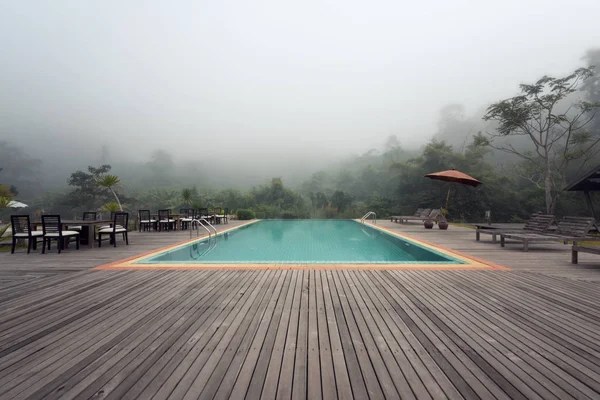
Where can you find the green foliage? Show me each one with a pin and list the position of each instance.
(341, 200)
(245, 214)
(187, 196)
(112, 206)
(5, 191)
(4, 233)
(110, 182)
(87, 195)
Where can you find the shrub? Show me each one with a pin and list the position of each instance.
(245, 214)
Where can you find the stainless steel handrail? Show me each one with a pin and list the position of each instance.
(367, 215)
(198, 223)
(202, 219)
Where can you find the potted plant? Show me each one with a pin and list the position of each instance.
(443, 223)
(428, 224)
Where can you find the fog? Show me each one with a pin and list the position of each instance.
(266, 88)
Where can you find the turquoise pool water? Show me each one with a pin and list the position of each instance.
(302, 241)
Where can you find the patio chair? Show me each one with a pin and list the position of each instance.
(219, 215)
(538, 223)
(87, 216)
(52, 229)
(165, 221)
(146, 220)
(396, 218)
(21, 229)
(186, 216)
(204, 213)
(120, 220)
(569, 229)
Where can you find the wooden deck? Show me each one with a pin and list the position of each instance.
(532, 332)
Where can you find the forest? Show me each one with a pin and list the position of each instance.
(525, 149)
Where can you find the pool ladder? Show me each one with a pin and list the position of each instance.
(199, 222)
(367, 215)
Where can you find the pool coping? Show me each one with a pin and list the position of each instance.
(469, 262)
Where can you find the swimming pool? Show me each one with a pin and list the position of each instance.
(302, 242)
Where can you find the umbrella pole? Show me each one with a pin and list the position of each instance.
(448, 197)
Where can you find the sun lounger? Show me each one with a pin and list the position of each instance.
(584, 249)
(396, 218)
(538, 223)
(570, 229)
(427, 214)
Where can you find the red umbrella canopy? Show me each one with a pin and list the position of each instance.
(453, 175)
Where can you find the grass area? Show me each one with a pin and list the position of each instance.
(461, 225)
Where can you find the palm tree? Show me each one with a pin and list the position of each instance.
(187, 196)
(111, 207)
(110, 181)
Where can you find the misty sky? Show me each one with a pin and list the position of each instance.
(336, 76)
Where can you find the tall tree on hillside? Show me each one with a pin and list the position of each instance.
(556, 125)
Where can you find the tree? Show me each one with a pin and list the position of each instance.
(87, 194)
(557, 131)
(187, 196)
(109, 182)
(341, 200)
(591, 86)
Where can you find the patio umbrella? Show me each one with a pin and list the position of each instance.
(453, 176)
(16, 204)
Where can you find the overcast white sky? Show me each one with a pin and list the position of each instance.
(338, 75)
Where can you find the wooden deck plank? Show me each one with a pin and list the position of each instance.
(481, 343)
(157, 368)
(507, 346)
(254, 368)
(183, 376)
(235, 380)
(286, 374)
(133, 347)
(361, 349)
(389, 374)
(73, 352)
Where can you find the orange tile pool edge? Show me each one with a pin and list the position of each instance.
(471, 262)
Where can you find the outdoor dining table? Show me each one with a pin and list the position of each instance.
(87, 227)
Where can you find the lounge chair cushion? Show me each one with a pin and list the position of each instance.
(167, 220)
(146, 221)
(64, 233)
(33, 233)
(110, 230)
(186, 219)
(108, 227)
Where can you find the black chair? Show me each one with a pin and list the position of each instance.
(119, 225)
(52, 229)
(89, 216)
(146, 220)
(21, 229)
(165, 221)
(186, 216)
